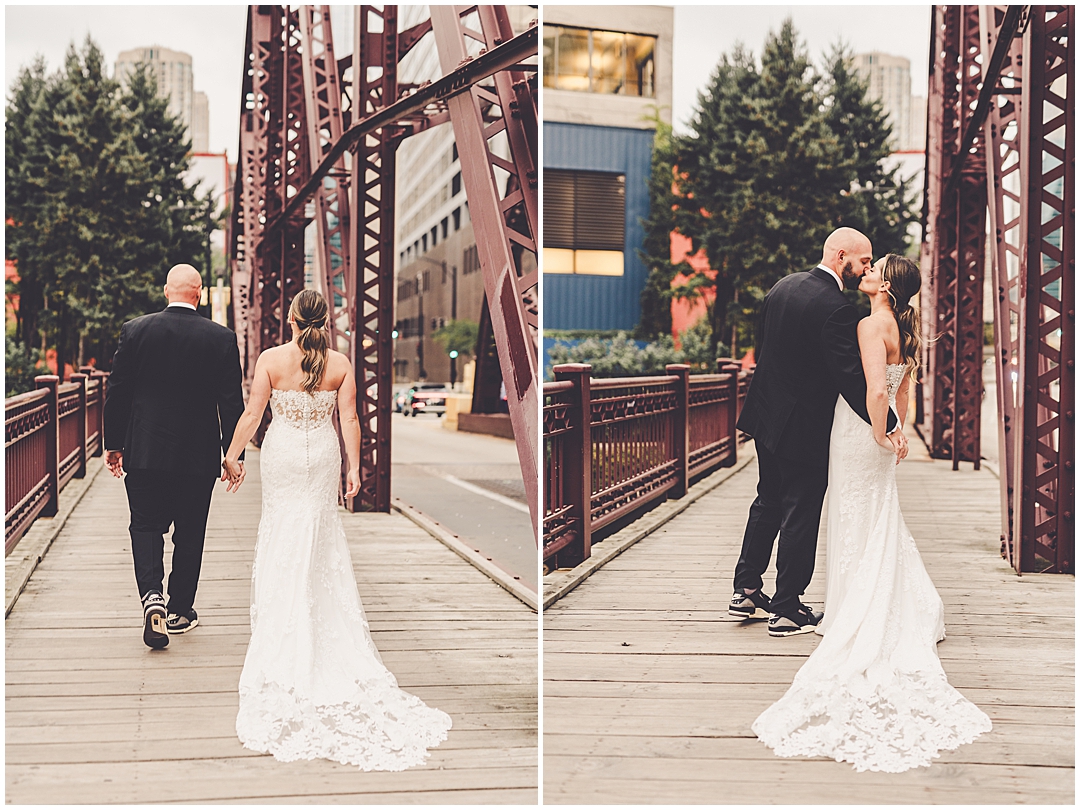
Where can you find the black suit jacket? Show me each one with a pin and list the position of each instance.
(808, 355)
(174, 394)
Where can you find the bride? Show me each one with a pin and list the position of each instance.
(313, 684)
(873, 693)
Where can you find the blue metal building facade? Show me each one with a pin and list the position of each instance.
(601, 302)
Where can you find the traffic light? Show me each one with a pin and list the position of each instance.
(453, 354)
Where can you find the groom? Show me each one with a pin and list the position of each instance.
(808, 355)
(171, 406)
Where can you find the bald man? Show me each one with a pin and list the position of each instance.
(807, 357)
(171, 406)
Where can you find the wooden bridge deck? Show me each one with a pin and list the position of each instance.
(649, 692)
(93, 716)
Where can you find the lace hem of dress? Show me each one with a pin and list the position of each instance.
(889, 727)
(383, 729)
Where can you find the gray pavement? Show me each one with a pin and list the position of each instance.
(469, 483)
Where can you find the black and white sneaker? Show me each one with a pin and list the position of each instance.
(182, 622)
(155, 635)
(746, 606)
(802, 620)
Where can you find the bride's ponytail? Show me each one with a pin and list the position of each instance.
(904, 281)
(308, 311)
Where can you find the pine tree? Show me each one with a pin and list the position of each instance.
(656, 247)
(21, 121)
(762, 171)
(779, 156)
(877, 201)
(97, 205)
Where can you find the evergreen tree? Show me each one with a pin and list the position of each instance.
(656, 248)
(22, 116)
(97, 205)
(877, 201)
(779, 156)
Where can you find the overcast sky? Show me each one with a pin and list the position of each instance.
(703, 33)
(213, 35)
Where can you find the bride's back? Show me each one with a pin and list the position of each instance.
(286, 373)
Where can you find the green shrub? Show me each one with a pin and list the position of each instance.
(21, 365)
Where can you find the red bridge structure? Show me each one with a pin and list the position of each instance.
(1000, 160)
(318, 138)
(1000, 152)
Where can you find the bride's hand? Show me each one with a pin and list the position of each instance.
(888, 443)
(233, 472)
(352, 483)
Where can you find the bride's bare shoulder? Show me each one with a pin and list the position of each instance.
(338, 366)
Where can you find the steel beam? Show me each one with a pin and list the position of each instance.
(510, 288)
(953, 256)
(1044, 522)
(1002, 135)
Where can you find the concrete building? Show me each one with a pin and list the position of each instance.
(175, 81)
(889, 78)
(200, 123)
(438, 269)
(607, 74)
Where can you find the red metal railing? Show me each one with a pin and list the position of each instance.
(48, 436)
(647, 439)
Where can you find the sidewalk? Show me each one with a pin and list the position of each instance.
(93, 716)
(649, 691)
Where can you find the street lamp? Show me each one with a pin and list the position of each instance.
(420, 346)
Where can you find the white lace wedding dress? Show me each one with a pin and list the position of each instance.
(313, 684)
(873, 693)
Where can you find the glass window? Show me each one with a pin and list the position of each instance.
(572, 59)
(584, 222)
(609, 62)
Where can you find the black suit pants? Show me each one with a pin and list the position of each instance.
(790, 495)
(158, 499)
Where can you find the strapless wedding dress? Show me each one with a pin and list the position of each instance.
(313, 684)
(873, 693)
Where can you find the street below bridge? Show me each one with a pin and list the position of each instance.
(471, 484)
(650, 690)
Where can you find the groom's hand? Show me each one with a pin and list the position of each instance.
(114, 460)
(234, 473)
(900, 444)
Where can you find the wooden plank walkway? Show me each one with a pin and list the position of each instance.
(649, 692)
(93, 716)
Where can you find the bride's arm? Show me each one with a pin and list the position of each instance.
(874, 358)
(251, 417)
(350, 430)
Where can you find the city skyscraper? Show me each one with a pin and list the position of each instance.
(200, 123)
(889, 79)
(175, 81)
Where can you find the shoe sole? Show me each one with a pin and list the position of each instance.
(795, 631)
(155, 632)
(191, 626)
(738, 614)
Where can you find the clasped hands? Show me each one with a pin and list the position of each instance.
(234, 473)
(895, 442)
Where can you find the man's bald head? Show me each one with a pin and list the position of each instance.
(849, 254)
(183, 285)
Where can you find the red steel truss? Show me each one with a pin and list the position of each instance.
(316, 143)
(1000, 116)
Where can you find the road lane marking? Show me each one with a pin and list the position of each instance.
(487, 493)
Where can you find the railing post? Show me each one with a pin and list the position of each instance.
(82, 380)
(728, 365)
(103, 379)
(52, 445)
(681, 428)
(577, 470)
